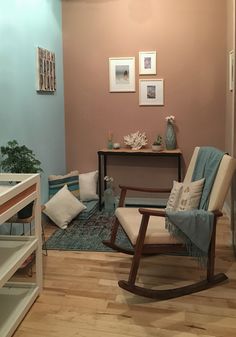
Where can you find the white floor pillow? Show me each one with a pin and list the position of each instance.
(88, 186)
(63, 207)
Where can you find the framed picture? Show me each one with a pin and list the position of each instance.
(231, 70)
(46, 70)
(151, 92)
(121, 74)
(147, 63)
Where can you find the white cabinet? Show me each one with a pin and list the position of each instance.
(16, 298)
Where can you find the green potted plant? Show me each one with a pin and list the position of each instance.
(157, 144)
(19, 159)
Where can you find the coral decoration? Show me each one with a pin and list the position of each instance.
(136, 140)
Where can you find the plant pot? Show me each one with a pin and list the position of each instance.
(156, 148)
(26, 212)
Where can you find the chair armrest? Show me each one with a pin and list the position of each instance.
(152, 212)
(162, 213)
(217, 213)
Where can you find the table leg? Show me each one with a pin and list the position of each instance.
(179, 168)
(102, 172)
(100, 180)
(105, 169)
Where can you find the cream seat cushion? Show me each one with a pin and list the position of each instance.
(130, 220)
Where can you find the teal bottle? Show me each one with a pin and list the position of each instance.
(109, 199)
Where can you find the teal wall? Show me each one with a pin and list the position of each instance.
(36, 120)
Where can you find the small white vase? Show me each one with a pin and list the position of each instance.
(116, 145)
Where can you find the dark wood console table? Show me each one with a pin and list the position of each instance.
(104, 153)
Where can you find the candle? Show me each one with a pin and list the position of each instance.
(110, 136)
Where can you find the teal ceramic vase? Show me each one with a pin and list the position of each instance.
(170, 138)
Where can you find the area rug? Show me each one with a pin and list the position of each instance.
(87, 235)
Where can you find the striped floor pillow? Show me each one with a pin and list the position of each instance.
(56, 182)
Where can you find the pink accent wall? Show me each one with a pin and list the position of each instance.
(189, 37)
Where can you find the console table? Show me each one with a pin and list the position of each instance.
(104, 153)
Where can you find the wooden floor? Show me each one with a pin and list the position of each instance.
(81, 297)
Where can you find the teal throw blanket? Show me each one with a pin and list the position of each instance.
(207, 164)
(194, 227)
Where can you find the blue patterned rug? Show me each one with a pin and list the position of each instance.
(87, 235)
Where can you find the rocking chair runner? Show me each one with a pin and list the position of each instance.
(145, 228)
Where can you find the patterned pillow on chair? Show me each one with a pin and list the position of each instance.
(185, 197)
(191, 195)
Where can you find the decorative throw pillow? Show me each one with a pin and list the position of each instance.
(88, 186)
(63, 207)
(191, 195)
(174, 196)
(56, 182)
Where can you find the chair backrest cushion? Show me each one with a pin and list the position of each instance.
(222, 183)
(189, 173)
(222, 180)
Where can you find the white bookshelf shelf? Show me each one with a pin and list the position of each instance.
(13, 252)
(16, 298)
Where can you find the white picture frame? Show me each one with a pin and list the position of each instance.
(147, 63)
(231, 70)
(151, 92)
(121, 74)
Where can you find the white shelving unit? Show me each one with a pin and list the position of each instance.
(16, 298)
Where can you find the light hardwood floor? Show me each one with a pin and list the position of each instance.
(81, 297)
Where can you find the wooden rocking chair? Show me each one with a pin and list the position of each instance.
(146, 231)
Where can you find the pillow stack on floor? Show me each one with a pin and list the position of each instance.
(72, 195)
